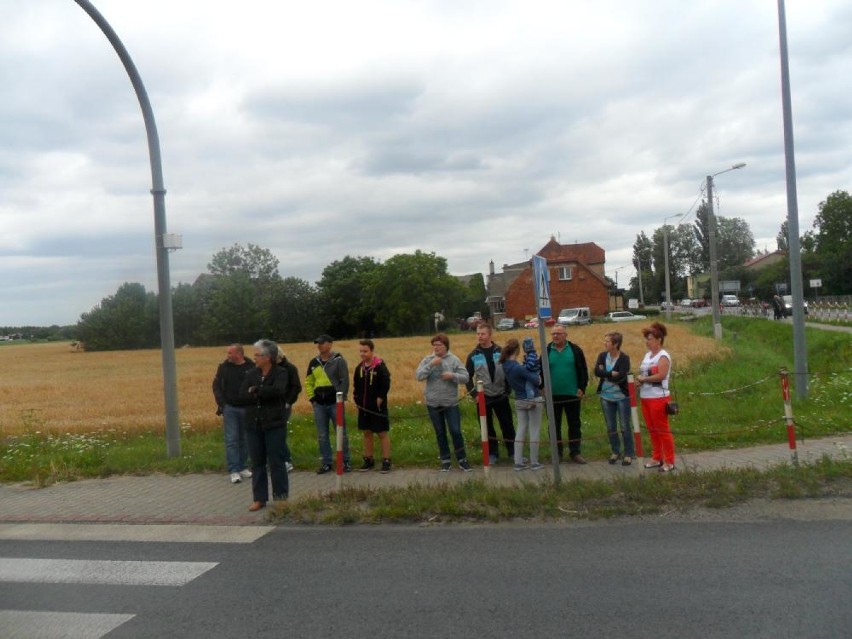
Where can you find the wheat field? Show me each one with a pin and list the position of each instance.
(52, 388)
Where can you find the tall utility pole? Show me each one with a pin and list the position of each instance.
(714, 263)
(639, 273)
(158, 191)
(800, 347)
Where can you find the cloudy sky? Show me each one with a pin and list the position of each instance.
(474, 129)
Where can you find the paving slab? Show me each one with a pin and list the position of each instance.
(210, 498)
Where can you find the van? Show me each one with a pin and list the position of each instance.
(574, 316)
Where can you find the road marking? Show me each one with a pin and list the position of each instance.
(26, 624)
(78, 571)
(134, 532)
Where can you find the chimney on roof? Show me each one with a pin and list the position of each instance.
(491, 267)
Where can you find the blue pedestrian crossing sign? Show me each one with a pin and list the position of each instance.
(541, 279)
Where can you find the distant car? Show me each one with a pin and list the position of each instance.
(700, 303)
(664, 305)
(507, 324)
(533, 323)
(730, 300)
(624, 316)
(579, 315)
(788, 305)
(686, 302)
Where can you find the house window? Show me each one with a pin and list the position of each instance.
(565, 272)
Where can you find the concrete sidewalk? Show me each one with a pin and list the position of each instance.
(211, 499)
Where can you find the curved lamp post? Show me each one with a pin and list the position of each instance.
(714, 264)
(158, 191)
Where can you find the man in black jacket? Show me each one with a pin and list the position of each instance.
(226, 390)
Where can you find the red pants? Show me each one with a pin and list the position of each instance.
(657, 423)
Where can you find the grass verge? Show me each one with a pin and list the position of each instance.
(477, 501)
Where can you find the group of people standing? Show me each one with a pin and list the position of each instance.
(255, 401)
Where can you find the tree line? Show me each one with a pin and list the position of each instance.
(243, 297)
(826, 254)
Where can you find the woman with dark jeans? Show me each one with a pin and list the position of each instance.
(266, 420)
(612, 367)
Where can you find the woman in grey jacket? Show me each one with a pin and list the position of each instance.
(443, 372)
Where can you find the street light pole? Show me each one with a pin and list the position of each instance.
(714, 264)
(158, 191)
(800, 347)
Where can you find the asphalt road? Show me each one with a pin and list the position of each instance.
(781, 578)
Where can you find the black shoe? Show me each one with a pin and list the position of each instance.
(347, 467)
(325, 468)
(369, 464)
(386, 466)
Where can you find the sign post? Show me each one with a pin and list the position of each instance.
(541, 280)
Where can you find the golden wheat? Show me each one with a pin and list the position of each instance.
(52, 388)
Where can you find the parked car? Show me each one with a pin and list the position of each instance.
(686, 302)
(533, 323)
(788, 305)
(730, 300)
(507, 324)
(624, 316)
(700, 303)
(579, 315)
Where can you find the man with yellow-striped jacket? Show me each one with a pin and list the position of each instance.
(328, 374)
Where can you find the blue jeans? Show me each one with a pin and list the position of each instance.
(236, 446)
(267, 448)
(443, 418)
(613, 412)
(325, 418)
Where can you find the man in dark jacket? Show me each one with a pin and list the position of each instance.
(569, 377)
(226, 389)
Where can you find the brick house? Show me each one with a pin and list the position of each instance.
(576, 279)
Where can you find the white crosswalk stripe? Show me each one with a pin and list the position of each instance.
(25, 624)
(179, 533)
(87, 571)
(44, 624)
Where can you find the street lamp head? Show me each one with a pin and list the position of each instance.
(738, 165)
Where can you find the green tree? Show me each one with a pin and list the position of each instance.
(734, 242)
(256, 262)
(409, 288)
(240, 295)
(295, 313)
(188, 312)
(643, 251)
(345, 309)
(127, 320)
(834, 243)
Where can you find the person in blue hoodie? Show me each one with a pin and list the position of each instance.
(529, 403)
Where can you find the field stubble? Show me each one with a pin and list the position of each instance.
(50, 388)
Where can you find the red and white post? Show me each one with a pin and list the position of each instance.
(788, 416)
(338, 431)
(634, 417)
(483, 425)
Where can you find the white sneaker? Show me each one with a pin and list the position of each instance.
(235, 478)
(289, 466)
(245, 474)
